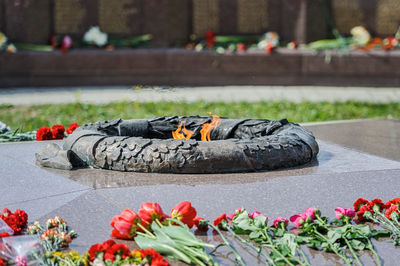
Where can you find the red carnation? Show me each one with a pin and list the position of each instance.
(359, 203)
(392, 213)
(94, 250)
(22, 217)
(361, 212)
(44, 133)
(184, 212)
(121, 250)
(72, 128)
(98, 248)
(16, 221)
(395, 201)
(376, 205)
(219, 219)
(153, 256)
(58, 131)
(1, 262)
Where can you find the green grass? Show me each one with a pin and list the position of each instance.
(32, 117)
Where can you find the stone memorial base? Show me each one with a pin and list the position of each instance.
(182, 67)
(345, 169)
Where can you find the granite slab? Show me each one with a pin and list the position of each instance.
(376, 136)
(88, 198)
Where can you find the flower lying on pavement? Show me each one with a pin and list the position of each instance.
(184, 212)
(125, 225)
(342, 213)
(95, 36)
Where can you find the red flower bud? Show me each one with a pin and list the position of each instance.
(184, 212)
(200, 223)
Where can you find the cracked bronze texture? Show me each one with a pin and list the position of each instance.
(141, 145)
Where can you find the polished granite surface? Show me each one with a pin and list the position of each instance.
(350, 165)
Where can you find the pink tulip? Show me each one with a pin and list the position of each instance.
(67, 41)
(299, 219)
(280, 220)
(255, 214)
(343, 212)
(311, 212)
(236, 213)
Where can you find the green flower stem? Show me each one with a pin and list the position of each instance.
(304, 256)
(388, 226)
(371, 247)
(249, 244)
(383, 217)
(265, 233)
(352, 251)
(333, 248)
(238, 258)
(147, 232)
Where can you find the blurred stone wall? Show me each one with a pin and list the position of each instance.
(171, 22)
(380, 17)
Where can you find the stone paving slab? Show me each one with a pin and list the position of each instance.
(379, 137)
(107, 94)
(88, 198)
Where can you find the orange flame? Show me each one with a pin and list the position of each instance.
(207, 127)
(186, 134)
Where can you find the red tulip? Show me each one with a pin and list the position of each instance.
(151, 211)
(184, 212)
(125, 224)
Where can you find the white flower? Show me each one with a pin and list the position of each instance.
(270, 37)
(3, 39)
(11, 48)
(360, 35)
(95, 36)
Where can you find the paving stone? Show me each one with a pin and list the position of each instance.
(379, 137)
(337, 178)
(41, 207)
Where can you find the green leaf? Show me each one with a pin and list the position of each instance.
(380, 233)
(244, 223)
(356, 244)
(333, 236)
(163, 248)
(364, 229)
(260, 221)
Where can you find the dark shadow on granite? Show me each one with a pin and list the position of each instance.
(331, 159)
(379, 137)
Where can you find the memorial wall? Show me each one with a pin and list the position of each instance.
(172, 21)
(380, 17)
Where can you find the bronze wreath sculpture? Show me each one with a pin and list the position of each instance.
(141, 145)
